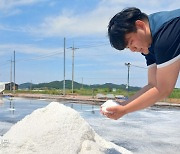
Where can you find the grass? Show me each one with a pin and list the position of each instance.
(175, 93)
(90, 92)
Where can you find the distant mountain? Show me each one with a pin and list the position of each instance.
(111, 85)
(25, 85)
(59, 85)
(108, 85)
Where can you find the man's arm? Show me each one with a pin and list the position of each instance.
(166, 78)
(151, 84)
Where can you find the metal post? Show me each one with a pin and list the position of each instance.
(10, 88)
(31, 85)
(128, 65)
(14, 87)
(64, 84)
(82, 83)
(72, 68)
(73, 49)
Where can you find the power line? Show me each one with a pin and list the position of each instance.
(54, 53)
(7, 63)
(35, 58)
(92, 46)
(138, 66)
(40, 57)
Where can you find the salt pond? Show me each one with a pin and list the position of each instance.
(153, 130)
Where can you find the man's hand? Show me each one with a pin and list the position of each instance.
(114, 112)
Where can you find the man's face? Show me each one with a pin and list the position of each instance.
(138, 41)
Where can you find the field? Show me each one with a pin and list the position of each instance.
(174, 97)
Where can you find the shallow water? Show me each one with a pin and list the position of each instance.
(153, 130)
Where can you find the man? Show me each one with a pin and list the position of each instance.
(157, 37)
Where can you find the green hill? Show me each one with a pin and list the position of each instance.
(25, 85)
(59, 85)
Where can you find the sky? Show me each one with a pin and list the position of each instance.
(35, 30)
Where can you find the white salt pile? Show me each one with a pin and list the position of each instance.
(55, 129)
(108, 103)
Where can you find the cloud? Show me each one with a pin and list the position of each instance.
(9, 4)
(94, 22)
(10, 7)
(27, 49)
(9, 28)
(70, 23)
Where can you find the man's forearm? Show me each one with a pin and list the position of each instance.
(139, 93)
(145, 100)
(166, 78)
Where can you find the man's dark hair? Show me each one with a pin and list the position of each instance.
(123, 23)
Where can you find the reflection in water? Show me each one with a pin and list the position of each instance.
(11, 106)
(74, 106)
(1, 101)
(93, 112)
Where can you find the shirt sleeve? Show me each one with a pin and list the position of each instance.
(167, 44)
(150, 59)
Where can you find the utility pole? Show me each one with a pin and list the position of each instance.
(31, 85)
(82, 83)
(73, 49)
(14, 87)
(11, 76)
(128, 65)
(64, 84)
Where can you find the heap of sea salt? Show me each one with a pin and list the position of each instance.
(55, 129)
(108, 103)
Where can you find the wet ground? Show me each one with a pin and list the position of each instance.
(153, 130)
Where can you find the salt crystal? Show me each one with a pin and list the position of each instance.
(108, 103)
(55, 129)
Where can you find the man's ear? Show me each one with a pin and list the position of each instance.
(140, 24)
